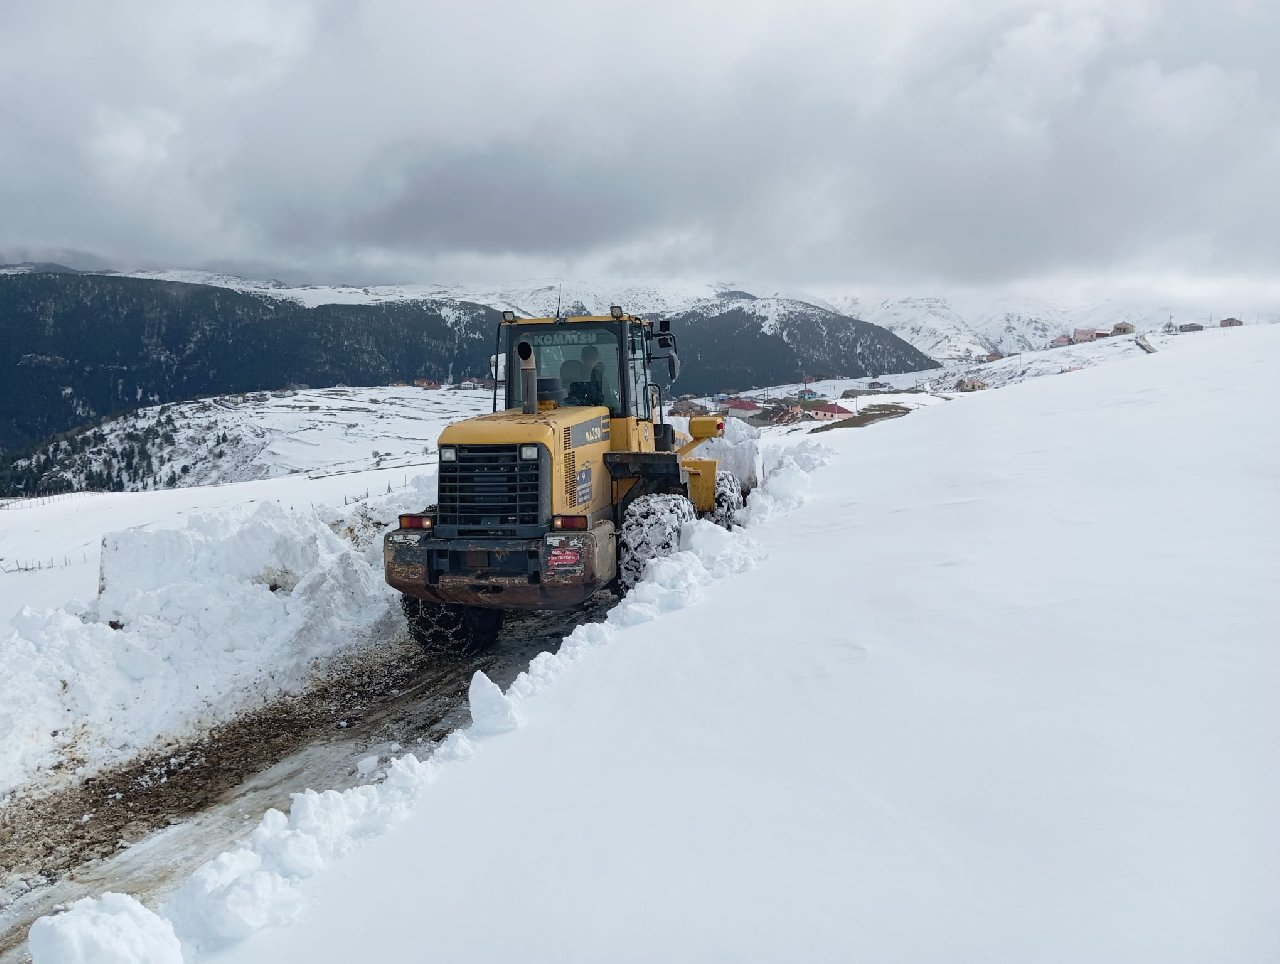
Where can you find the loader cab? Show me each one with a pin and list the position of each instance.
(583, 362)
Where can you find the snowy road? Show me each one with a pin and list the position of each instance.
(147, 826)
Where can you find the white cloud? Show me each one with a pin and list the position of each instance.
(919, 142)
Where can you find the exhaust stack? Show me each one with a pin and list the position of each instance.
(528, 377)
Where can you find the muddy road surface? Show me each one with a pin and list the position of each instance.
(143, 828)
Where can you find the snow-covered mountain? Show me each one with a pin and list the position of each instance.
(932, 325)
(967, 327)
(959, 328)
(532, 298)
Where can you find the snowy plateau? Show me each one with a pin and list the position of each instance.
(992, 681)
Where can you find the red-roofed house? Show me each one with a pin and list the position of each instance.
(830, 413)
(742, 407)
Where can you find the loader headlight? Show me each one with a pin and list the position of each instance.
(529, 453)
(448, 453)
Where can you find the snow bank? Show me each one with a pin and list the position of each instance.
(256, 886)
(193, 625)
(738, 450)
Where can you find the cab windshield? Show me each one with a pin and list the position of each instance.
(576, 366)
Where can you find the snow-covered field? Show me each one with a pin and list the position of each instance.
(992, 682)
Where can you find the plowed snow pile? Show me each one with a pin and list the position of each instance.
(193, 625)
(997, 683)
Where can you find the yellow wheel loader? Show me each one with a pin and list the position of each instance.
(571, 489)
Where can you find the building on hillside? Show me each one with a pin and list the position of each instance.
(993, 356)
(1101, 333)
(879, 386)
(426, 383)
(830, 413)
(1123, 328)
(742, 407)
(1193, 326)
(687, 406)
(1082, 335)
(1062, 341)
(807, 395)
(787, 414)
(1230, 323)
(970, 385)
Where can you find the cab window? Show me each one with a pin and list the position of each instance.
(638, 372)
(583, 363)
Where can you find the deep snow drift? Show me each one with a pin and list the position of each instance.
(1003, 688)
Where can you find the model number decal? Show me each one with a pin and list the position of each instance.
(592, 430)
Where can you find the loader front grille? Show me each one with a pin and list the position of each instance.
(489, 490)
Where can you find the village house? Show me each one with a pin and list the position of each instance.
(1082, 335)
(970, 385)
(1230, 323)
(742, 407)
(807, 395)
(1193, 326)
(1123, 328)
(1062, 341)
(992, 357)
(830, 413)
(426, 383)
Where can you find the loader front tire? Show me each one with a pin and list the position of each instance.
(650, 529)
(728, 499)
(451, 629)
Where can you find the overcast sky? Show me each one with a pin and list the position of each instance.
(919, 144)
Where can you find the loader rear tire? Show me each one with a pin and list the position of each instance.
(650, 529)
(451, 629)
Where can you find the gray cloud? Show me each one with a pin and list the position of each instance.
(825, 144)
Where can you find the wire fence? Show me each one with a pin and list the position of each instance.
(26, 501)
(39, 565)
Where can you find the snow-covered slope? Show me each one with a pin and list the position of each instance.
(996, 683)
(258, 435)
(933, 326)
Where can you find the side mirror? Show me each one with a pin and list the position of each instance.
(673, 366)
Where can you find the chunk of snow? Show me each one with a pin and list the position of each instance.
(491, 710)
(112, 929)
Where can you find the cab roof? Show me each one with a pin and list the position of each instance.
(573, 320)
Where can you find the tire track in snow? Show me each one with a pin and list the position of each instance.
(146, 826)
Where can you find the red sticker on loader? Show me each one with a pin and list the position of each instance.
(562, 558)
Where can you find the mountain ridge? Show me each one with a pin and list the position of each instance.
(75, 347)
